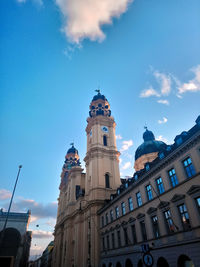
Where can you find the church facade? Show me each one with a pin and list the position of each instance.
(151, 219)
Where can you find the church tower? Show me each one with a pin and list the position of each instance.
(102, 157)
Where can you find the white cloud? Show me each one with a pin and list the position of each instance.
(41, 234)
(164, 81)
(126, 165)
(193, 85)
(5, 194)
(84, 18)
(118, 137)
(126, 145)
(161, 138)
(120, 160)
(149, 92)
(164, 120)
(163, 101)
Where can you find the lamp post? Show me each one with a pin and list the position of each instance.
(3, 231)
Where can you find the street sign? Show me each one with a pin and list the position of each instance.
(148, 259)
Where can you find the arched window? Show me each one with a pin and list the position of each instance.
(107, 180)
(105, 140)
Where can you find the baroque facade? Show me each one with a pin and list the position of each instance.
(151, 219)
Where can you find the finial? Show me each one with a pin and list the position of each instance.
(98, 91)
(145, 126)
(72, 144)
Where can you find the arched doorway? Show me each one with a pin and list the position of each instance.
(140, 264)
(162, 262)
(118, 264)
(185, 261)
(128, 263)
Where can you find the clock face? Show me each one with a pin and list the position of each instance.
(104, 129)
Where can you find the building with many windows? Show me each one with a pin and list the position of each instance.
(152, 218)
(159, 207)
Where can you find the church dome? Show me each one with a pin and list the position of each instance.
(99, 106)
(72, 150)
(150, 145)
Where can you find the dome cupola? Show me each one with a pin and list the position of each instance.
(71, 158)
(99, 106)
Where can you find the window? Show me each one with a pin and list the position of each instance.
(107, 180)
(198, 203)
(160, 186)
(184, 216)
(117, 212)
(102, 221)
(169, 222)
(108, 242)
(143, 230)
(173, 177)
(123, 208)
(189, 168)
(149, 192)
(130, 203)
(134, 236)
(105, 140)
(139, 199)
(113, 240)
(154, 220)
(125, 236)
(126, 185)
(119, 238)
(111, 216)
(106, 218)
(103, 243)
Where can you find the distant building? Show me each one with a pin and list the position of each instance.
(15, 245)
(152, 218)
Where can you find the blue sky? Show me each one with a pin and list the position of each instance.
(143, 54)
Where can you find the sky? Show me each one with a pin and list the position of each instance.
(143, 55)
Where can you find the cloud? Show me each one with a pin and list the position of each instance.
(38, 210)
(164, 81)
(126, 165)
(41, 234)
(126, 145)
(163, 101)
(37, 2)
(191, 86)
(118, 137)
(164, 120)
(84, 18)
(5, 194)
(149, 92)
(161, 138)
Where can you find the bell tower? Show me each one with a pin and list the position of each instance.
(102, 157)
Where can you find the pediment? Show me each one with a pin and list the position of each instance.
(163, 204)
(140, 215)
(177, 197)
(151, 210)
(124, 223)
(131, 219)
(193, 189)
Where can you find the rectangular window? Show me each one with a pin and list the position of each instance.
(154, 220)
(173, 177)
(198, 203)
(113, 241)
(102, 221)
(111, 215)
(134, 236)
(139, 199)
(149, 192)
(123, 208)
(103, 243)
(189, 168)
(143, 230)
(125, 236)
(108, 242)
(130, 203)
(117, 212)
(119, 238)
(169, 222)
(105, 140)
(106, 218)
(184, 216)
(160, 186)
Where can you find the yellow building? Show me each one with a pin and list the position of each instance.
(151, 219)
